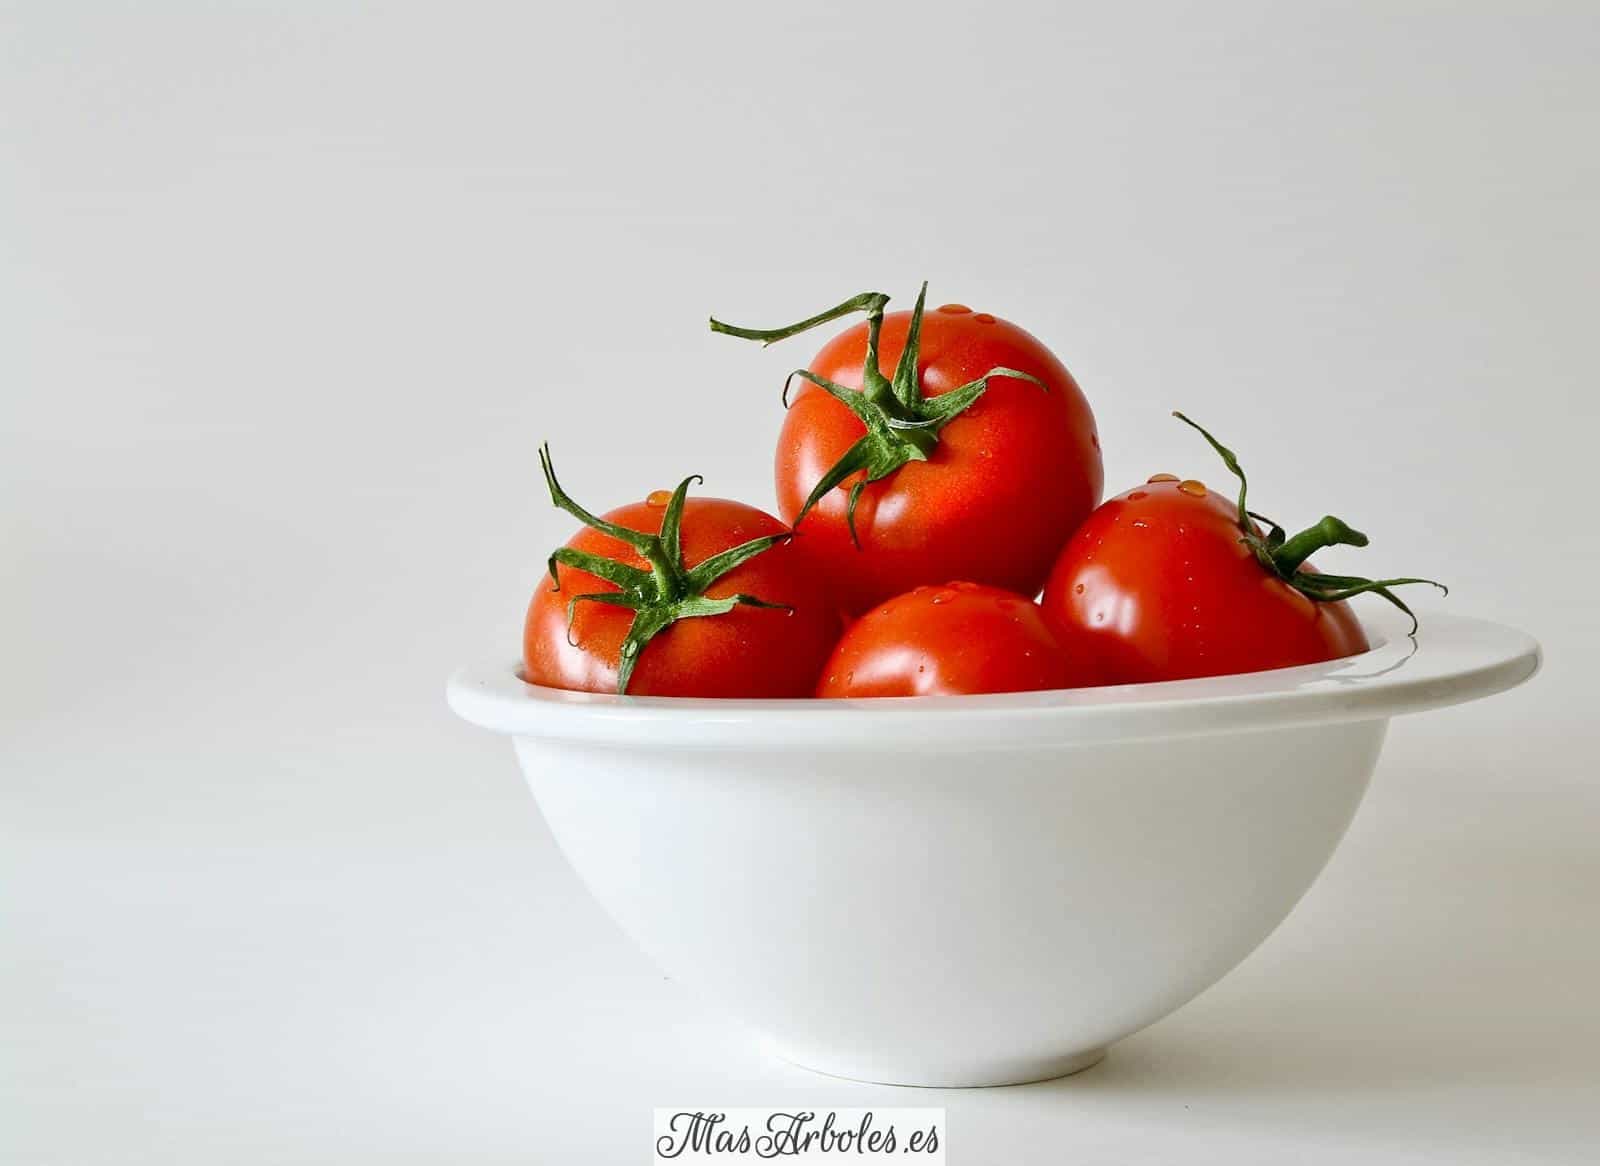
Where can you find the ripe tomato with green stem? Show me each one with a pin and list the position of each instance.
(924, 446)
(1171, 581)
(958, 639)
(677, 596)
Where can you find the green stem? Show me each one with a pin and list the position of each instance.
(1229, 460)
(870, 302)
(901, 424)
(662, 595)
(1285, 556)
(637, 539)
(667, 574)
(1329, 532)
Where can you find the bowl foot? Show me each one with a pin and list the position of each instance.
(1019, 1072)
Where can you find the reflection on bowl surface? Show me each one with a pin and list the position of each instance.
(971, 890)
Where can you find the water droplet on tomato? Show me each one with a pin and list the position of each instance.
(1078, 590)
(1099, 617)
(943, 596)
(1140, 524)
(984, 318)
(922, 667)
(1193, 488)
(964, 585)
(1162, 478)
(1136, 495)
(954, 309)
(658, 498)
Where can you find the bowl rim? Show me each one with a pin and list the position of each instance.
(1451, 659)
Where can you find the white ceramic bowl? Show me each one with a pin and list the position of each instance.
(971, 890)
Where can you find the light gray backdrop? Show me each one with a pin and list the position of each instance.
(289, 294)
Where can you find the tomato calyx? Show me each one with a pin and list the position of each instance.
(1283, 555)
(902, 425)
(665, 593)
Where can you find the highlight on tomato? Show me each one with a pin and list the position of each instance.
(1171, 581)
(958, 639)
(677, 596)
(921, 446)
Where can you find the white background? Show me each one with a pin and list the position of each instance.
(288, 295)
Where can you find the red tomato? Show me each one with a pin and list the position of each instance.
(1171, 581)
(1157, 586)
(951, 640)
(762, 628)
(989, 493)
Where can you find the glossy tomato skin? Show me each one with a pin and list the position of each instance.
(1157, 586)
(958, 639)
(749, 652)
(1007, 483)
